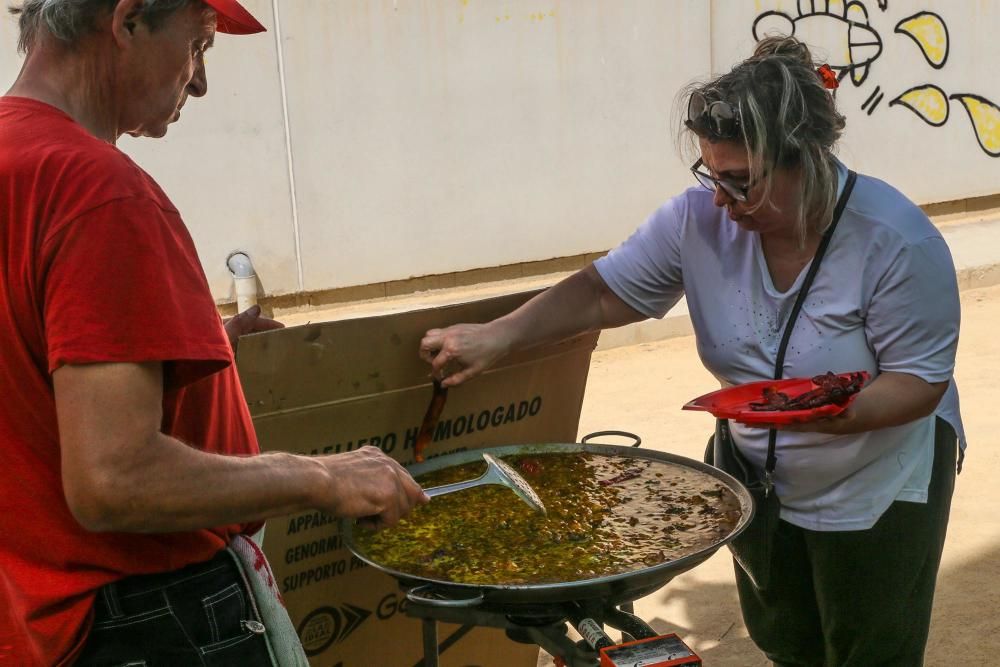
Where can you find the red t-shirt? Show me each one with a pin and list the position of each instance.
(95, 266)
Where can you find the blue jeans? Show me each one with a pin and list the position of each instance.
(201, 614)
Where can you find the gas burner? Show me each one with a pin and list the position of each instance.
(543, 624)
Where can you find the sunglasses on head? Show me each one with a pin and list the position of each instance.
(719, 118)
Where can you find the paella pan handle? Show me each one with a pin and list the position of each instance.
(624, 434)
(433, 596)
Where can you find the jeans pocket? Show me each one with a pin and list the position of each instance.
(248, 651)
(137, 639)
(226, 610)
(131, 620)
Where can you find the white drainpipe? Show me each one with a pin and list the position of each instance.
(244, 279)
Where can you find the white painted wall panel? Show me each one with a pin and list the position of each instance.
(431, 137)
(10, 62)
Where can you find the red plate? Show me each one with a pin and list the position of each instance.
(734, 402)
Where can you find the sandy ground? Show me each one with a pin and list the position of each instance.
(641, 389)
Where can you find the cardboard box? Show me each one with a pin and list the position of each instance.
(333, 387)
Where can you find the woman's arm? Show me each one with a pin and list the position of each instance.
(582, 302)
(912, 325)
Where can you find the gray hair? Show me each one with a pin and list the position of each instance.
(789, 120)
(70, 20)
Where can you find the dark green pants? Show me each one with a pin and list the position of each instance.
(850, 598)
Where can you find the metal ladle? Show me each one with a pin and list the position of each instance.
(497, 472)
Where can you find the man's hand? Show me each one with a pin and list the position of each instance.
(365, 483)
(247, 322)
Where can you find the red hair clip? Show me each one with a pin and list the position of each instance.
(828, 77)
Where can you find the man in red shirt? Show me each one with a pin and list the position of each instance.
(129, 457)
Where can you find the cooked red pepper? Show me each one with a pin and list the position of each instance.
(830, 389)
(427, 426)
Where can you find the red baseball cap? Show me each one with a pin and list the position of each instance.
(233, 18)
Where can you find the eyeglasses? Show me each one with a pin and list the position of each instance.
(719, 118)
(738, 191)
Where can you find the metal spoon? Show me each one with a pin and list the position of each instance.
(497, 472)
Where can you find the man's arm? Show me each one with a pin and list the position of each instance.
(120, 473)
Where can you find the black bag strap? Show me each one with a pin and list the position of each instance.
(779, 363)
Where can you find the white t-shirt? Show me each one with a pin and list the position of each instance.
(885, 299)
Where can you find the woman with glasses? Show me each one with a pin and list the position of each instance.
(864, 495)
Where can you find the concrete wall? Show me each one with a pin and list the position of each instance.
(359, 142)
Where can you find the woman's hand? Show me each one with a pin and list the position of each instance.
(890, 400)
(463, 351)
(840, 424)
(582, 302)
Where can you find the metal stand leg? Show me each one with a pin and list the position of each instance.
(555, 642)
(430, 643)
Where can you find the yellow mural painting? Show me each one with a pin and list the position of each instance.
(930, 33)
(843, 29)
(929, 102)
(985, 116)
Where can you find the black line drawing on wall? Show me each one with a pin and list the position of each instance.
(832, 26)
(874, 100)
(930, 33)
(985, 117)
(929, 102)
(843, 30)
